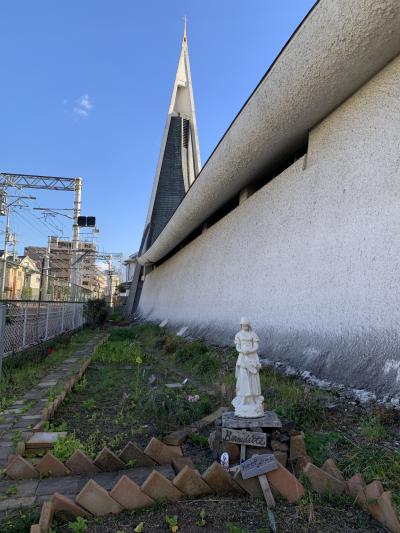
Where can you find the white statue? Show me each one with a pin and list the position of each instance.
(248, 402)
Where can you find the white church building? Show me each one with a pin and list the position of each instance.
(294, 220)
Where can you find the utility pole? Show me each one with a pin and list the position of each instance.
(75, 237)
(6, 241)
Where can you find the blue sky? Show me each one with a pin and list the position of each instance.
(85, 87)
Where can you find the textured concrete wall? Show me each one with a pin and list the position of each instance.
(313, 257)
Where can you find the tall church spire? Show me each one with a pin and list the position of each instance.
(179, 159)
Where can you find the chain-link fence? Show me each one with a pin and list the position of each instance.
(29, 323)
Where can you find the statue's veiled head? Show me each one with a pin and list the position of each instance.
(245, 324)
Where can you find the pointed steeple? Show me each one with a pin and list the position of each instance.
(179, 159)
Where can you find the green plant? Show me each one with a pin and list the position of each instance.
(373, 429)
(50, 426)
(79, 525)
(81, 385)
(52, 395)
(138, 358)
(17, 437)
(12, 490)
(319, 445)
(89, 404)
(172, 522)
(198, 440)
(131, 463)
(139, 528)
(202, 519)
(97, 312)
(64, 447)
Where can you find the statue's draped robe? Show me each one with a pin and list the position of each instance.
(248, 401)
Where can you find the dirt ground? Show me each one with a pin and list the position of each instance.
(249, 516)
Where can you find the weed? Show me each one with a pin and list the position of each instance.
(202, 519)
(172, 522)
(21, 521)
(52, 395)
(198, 440)
(89, 404)
(373, 429)
(131, 463)
(139, 528)
(55, 428)
(12, 490)
(79, 525)
(17, 437)
(64, 447)
(319, 445)
(79, 387)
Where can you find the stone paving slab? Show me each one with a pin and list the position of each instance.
(27, 411)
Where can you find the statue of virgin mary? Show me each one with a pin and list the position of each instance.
(248, 402)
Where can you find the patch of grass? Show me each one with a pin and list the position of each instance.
(23, 374)
(374, 462)
(198, 440)
(292, 399)
(65, 447)
(12, 490)
(116, 352)
(52, 427)
(170, 408)
(81, 385)
(319, 445)
(89, 404)
(373, 429)
(21, 520)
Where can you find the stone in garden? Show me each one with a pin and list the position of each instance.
(67, 508)
(220, 481)
(162, 453)
(330, 467)
(286, 484)
(107, 461)
(128, 494)
(178, 463)
(173, 385)
(300, 462)
(281, 457)
(248, 403)
(43, 440)
(297, 446)
(19, 468)
(159, 487)
(278, 446)
(251, 486)
(355, 485)
(51, 466)
(177, 437)
(189, 482)
(132, 452)
(322, 482)
(80, 463)
(96, 500)
(46, 516)
(385, 512)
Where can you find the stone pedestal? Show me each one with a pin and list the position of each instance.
(269, 420)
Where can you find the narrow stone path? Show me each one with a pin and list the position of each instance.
(29, 492)
(18, 420)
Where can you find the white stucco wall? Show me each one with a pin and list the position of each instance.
(313, 257)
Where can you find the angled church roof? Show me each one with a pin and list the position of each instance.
(179, 159)
(337, 48)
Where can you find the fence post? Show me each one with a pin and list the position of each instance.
(24, 327)
(2, 334)
(62, 316)
(47, 322)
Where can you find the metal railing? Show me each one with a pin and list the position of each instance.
(30, 323)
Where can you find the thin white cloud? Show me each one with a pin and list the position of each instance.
(83, 106)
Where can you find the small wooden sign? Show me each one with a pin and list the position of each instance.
(248, 438)
(258, 465)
